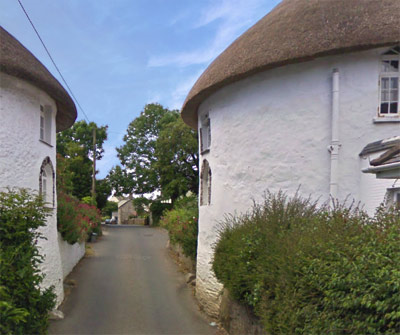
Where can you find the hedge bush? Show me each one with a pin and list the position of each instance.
(76, 220)
(308, 269)
(182, 225)
(23, 306)
(157, 208)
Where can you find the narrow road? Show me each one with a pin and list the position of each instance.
(130, 286)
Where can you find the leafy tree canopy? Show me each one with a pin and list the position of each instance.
(74, 153)
(81, 134)
(159, 154)
(103, 191)
(119, 181)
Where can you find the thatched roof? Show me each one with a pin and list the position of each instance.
(17, 61)
(297, 31)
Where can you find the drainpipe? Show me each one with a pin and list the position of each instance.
(335, 144)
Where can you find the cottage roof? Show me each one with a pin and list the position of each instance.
(17, 61)
(123, 202)
(297, 31)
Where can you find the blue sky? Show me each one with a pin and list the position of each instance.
(118, 55)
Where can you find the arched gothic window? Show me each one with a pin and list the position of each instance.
(46, 182)
(205, 184)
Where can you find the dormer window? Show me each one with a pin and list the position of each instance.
(45, 124)
(389, 84)
(205, 134)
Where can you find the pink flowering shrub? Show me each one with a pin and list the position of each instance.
(76, 220)
(182, 225)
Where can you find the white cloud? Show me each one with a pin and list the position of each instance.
(181, 91)
(233, 16)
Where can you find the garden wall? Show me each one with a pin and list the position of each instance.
(186, 261)
(70, 254)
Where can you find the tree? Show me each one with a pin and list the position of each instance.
(137, 155)
(75, 146)
(81, 133)
(119, 181)
(103, 191)
(159, 154)
(177, 159)
(109, 208)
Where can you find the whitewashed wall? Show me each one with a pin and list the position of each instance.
(71, 254)
(271, 131)
(21, 156)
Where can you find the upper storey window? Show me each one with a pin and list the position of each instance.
(45, 124)
(205, 134)
(389, 83)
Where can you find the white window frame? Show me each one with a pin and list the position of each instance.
(45, 124)
(390, 75)
(42, 122)
(393, 196)
(44, 186)
(396, 198)
(205, 134)
(46, 182)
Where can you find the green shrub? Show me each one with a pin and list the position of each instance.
(157, 209)
(181, 223)
(89, 201)
(76, 220)
(23, 306)
(313, 270)
(110, 207)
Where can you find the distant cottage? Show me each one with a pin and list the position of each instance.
(293, 101)
(33, 107)
(126, 211)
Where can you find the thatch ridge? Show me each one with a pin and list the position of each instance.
(17, 61)
(297, 31)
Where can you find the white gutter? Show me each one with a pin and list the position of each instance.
(335, 144)
(385, 167)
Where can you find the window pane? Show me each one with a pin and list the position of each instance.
(384, 108)
(393, 108)
(385, 96)
(385, 66)
(44, 189)
(394, 82)
(390, 66)
(394, 66)
(385, 83)
(394, 94)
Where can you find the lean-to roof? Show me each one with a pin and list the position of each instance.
(297, 31)
(17, 61)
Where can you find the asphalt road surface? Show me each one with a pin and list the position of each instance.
(130, 286)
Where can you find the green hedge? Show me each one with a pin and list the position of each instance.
(311, 270)
(23, 306)
(157, 209)
(182, 225)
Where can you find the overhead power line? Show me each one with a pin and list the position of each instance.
(52, 60)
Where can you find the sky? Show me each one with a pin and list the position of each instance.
(119, 55)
